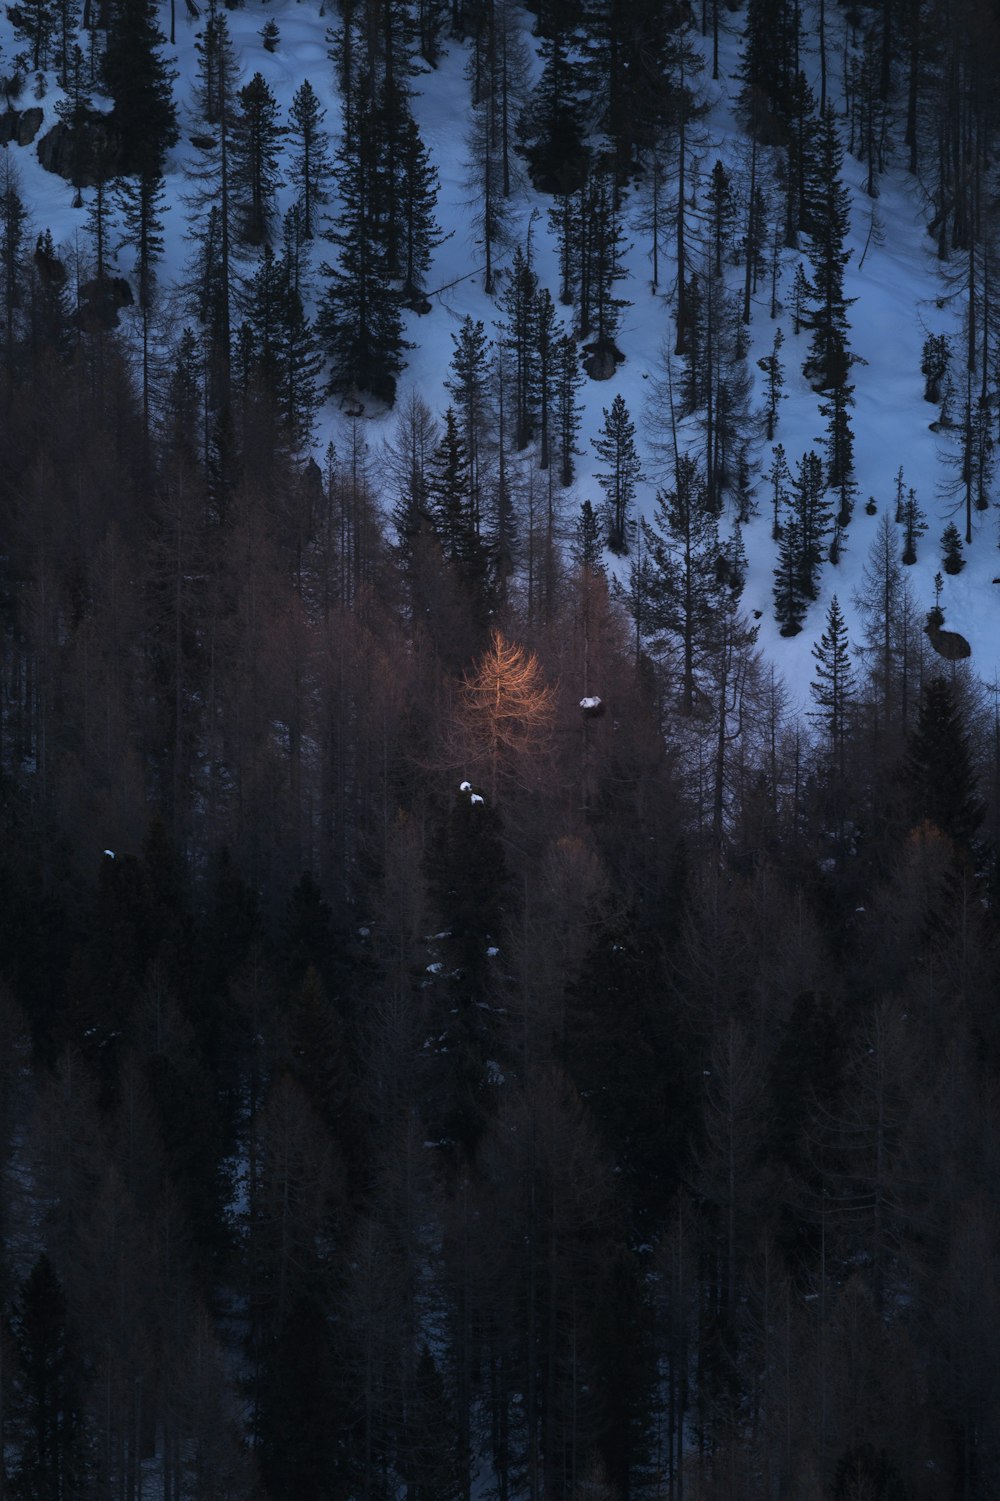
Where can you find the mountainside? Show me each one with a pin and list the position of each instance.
(900, 293)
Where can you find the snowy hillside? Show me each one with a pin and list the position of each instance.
(896, 283)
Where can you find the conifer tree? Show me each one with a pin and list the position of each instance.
(721, 215)
(791, 598)
(938, 772)
(567, 410)
(833, 685)
(310, 157)
(774, 376)
(519, 304)
(416, 201)
(13, 234)
(469, 385)
(952, 560)
(600, 309)
(587, 543)
(255, 161)
(213, 196)
(140, 83)
(914, 526)
(615, 447)
(829, 206)
(680, 597)
(360, 322)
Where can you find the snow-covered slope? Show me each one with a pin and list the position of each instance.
(899, 297)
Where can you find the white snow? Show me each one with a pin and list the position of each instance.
(900, 296)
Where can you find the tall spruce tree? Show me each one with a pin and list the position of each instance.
(829, 214)
(680, 599)
(140, 83)
(255, 161)
(833, 686)
(615, 447)
(310, 158)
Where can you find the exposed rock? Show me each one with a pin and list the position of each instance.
(601, 360)
(20, 125)
(28, 124)
(202, 142)
(73, 151)
(948, 644)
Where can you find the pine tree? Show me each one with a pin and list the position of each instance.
(310, 157)
(833, 686)
(416, 199)
(774, 374)
(829, 216)
(791, 598)
(587, 542)
(568, 411)
(360, 322)
(519, 304)
(938, 772)
(721, 215)
(600, 309)
(255, 161)
(680, 598)
(615, 447)
(470, 386)
(952, 560)
(35, 23)
(212, 195)
(935, 359)
(140, 83)
(13, 235)
(914, 523)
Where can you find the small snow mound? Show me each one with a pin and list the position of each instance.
(110, 854)
(434, 969)
(475, 798)
(492, 952)
(465, 787)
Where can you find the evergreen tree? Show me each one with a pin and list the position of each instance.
(416, 199)
(615, 447)
(721, 215)
(13, 235)
(140, 83)
(935, 359)
(519, 334)
(938, 773)
(952, 560)
(450, 504)
(680, 597)
(310, 158)
(213, 196)
(587, 542)
(914, 526)
(600, 309)
(833, 686)
(829, 213)
(791, 597)
(35, 22)
(774, 375)
(469, 385)
(568, 411)
(255, 161)
(360, 322)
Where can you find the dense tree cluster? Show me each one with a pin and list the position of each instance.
(459, 1034)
